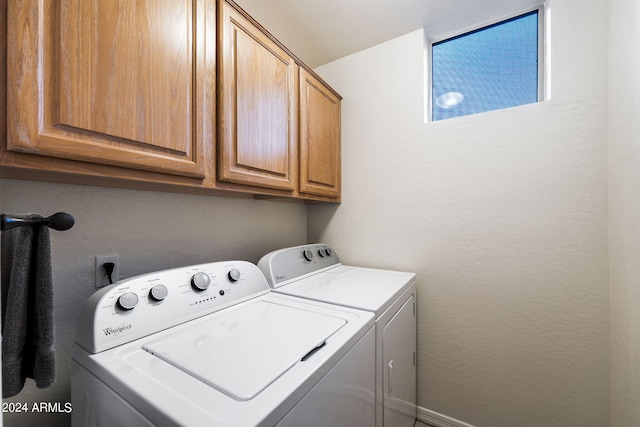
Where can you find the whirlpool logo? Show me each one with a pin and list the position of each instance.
(117, 330)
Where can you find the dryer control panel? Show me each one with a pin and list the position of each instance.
(286, 265)
(149, 303)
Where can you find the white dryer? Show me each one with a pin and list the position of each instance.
(211, 345)
(314, 272)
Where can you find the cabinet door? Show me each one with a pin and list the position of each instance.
(257, 105)
(104, 81)
(319, 138)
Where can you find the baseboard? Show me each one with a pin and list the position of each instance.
(439, 420)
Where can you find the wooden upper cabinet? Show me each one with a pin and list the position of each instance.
(319, 138)
(110, 82)
(193, 93)
(257, 105)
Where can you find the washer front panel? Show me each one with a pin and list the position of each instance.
(169, 396)
(149, 303)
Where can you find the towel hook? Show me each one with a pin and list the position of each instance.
(59, 221)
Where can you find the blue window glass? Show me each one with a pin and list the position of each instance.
(488, 69)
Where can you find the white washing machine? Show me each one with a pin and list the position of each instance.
(315, 272)
(211, 345)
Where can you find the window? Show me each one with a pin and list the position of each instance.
(493, 67)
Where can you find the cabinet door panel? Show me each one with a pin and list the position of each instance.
(263, 104)
(257, 106)
(105, 81)
(319, 138)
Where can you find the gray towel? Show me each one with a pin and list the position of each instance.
(27, 309)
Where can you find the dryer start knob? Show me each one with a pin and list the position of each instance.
(308, 255)
(200, 281)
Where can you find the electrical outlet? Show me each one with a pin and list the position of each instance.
(102, 279)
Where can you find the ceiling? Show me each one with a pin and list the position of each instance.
(321, 31)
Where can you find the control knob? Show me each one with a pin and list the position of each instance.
(127, 301)
(234, 275)
(307, 254)
(158, 292)
(200, 281)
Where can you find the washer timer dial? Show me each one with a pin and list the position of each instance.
(200, 281)
(158, 292)
(234, 275)
(127, 301)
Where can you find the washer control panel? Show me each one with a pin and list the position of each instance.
(145, 304)
(286, 265)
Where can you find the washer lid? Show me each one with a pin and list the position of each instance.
(243, 351)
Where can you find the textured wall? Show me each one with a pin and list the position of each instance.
(150, 231)
(503, 215)
(624, 212)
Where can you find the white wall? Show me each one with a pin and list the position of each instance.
(624, 212)
(150, 231)
(503, 215)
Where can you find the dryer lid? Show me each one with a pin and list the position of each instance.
(243, 351)
(357, 287)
